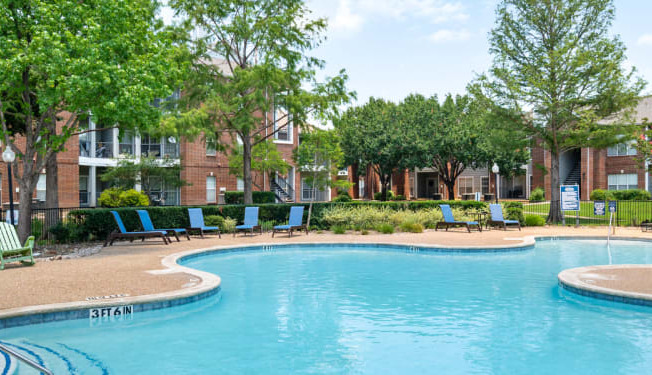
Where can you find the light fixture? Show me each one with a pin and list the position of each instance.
(8, 156)
(495, 168)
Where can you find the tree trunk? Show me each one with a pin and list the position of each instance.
(51, 193)
(555, 214)
(314, 192)
(25, 207)
(450, 186)
(246, 170)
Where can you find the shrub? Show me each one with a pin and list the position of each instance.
(385, 228)
(630, 195)
(364, 232)
(214, 220)
(378, 195)
(399, 198)
(514, 211)
(338, 229)
(534, 221)
(115, 197)
(67, 232)
(598, 195)
(411, 226)
(259, 197)
(537, 195)
(342, 198)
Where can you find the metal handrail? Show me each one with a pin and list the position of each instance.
(28, 361)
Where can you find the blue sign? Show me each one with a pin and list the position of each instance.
(612, 206)
(599, 208)
(570, 197)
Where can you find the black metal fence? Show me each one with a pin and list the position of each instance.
(628, 213)
(43, 219)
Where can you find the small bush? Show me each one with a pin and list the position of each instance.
(338, 229)
(537, 195)
(630, 195)
(385, 228)
(115, 197)
(342, 198)
(598, 195)
(228, 226)
(378, 195)
(214, 221)
(267, 226)
(411, 227)
(534, 221)
(514, 211)
(398, 198)
(67, 232)
(364, 232)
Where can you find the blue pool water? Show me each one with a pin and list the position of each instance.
(339, 310)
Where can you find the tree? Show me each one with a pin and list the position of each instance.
(60, 60)
(459, 134)
(373, 136)
(251, 76)
(265, 159)
(319, 157)
(148, 172)
(558, 59)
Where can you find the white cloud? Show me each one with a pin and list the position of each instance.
(345, 19)
(645, 40)
(437, 11)
(446, 35)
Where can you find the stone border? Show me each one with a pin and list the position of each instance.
(210, 283)
(570, 280)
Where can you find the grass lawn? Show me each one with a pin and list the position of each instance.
(628, 212)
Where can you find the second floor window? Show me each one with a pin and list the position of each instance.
(150, 146)
(40, 188)
(282, 125)
(622, 149)
(126, 144)
(211, 146)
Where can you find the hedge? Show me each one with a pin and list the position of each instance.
(97, 223)
(259, 197)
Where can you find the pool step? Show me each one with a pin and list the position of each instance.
(59, 358)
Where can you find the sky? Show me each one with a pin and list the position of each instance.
(391, 48)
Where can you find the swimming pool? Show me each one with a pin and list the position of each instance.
(338, 309)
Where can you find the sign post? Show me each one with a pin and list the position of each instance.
(613, 205)
(570, 201)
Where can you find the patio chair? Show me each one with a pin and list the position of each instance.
(294, 223)
(148, 226)
(122, 233)
(497, 219)
(10, 248)
(450, 222)
(250, 222)
(196, 216)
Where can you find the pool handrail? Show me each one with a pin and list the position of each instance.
(28, 361)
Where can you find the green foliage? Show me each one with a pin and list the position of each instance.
(237, 197)
(628, 195)
(364, 232)
(514, 211)
(266, 69)
(338, 229)
(385, 228)
(557, 71)
(115, 197)
(534, 220)
(152, 173)
(68, 232)
(228, 225)
(411, 227)
(342, 198)
(265, 159)
(373, 135)
(398, 198)
(214, 220)
(599, 195)
(538, 195)
(378, 196)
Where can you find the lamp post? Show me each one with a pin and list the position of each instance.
(8, 156)
(495, 169)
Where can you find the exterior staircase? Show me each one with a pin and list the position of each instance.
(574, 176)
(283, 191)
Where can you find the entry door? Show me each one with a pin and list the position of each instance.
(432, 186)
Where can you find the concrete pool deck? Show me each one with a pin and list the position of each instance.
(134, 270)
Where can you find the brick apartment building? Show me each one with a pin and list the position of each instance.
(91, 153)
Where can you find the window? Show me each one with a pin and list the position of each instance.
(104, 143)
(465, 185)
(171, 147)
(282, 123)
(361, 187)
(622, 149)
(307, 192)
(160, 194)
(40, 188)
(211, 146)
(623, 181)
(150, 146)
(239, 184)
(485, 185)
(126, 144)
(211, 183)
(85, 138)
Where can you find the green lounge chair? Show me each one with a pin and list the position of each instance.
(250, 222)
(450, 222)
(10, 248)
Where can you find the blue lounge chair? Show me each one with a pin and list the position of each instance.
(122, 233)
(498, 220)
(197, 222)
(449, 220)
(146, 222)
(295, 222)
(250, 222)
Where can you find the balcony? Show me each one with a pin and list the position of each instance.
(104, 150)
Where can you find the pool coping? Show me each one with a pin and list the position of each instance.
(209, 284)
